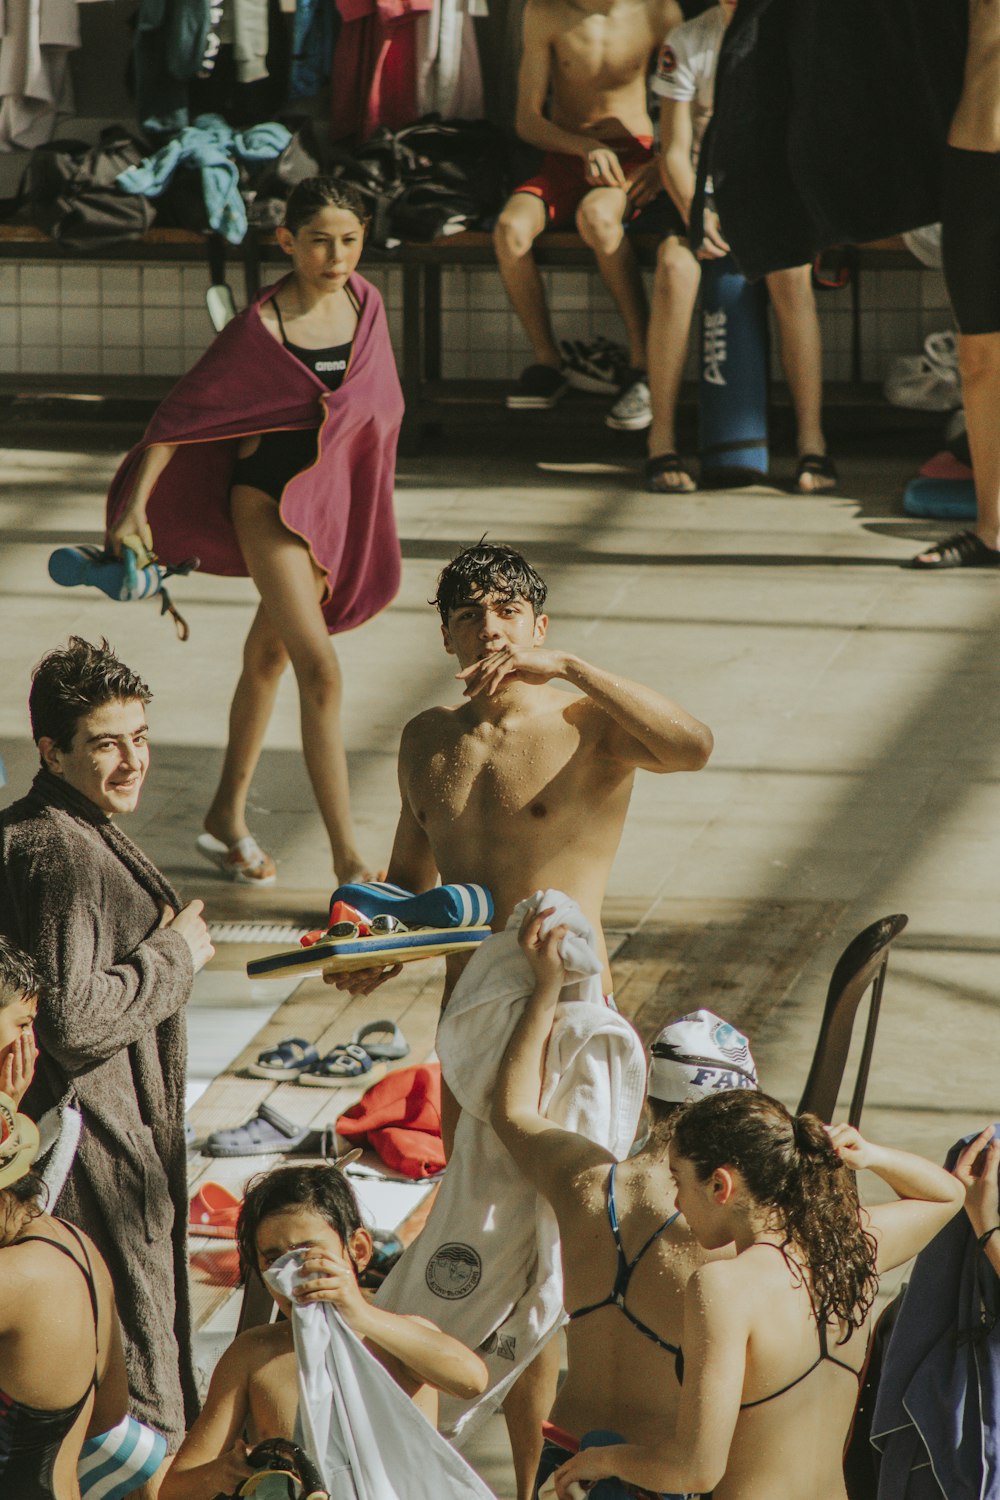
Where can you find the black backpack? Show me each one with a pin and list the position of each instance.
(69, 190)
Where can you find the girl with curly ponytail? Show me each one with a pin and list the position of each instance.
(775, 1337)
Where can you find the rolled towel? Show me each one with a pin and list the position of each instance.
(115, 1463)
(443, 906)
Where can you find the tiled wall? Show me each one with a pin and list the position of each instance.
(108, 317)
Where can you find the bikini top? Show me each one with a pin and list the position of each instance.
(624, 1270)
(30, 1437)
(824, 1355)
(330, 365)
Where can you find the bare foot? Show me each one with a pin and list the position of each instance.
(667, 474)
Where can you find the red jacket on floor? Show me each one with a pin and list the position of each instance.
(400, 1118)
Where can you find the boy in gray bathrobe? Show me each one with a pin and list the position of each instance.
(118, 955)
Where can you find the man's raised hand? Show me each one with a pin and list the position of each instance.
(523, 664)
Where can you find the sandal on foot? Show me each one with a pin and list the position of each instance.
(342, 1066)
(668, 463)
(287, 1060)
(391, 1050)
(963, 549)
(243, 861)
(270, 1134)
(819, 466)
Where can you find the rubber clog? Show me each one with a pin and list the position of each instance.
(213, 1212)
(269, 1133)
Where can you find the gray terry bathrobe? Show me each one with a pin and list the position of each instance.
(86, 903)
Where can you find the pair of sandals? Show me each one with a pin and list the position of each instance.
(817, 466)
(364, 1057)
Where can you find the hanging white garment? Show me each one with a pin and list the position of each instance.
(36, 38)
(364, 1434)
(486, 1266)
(449, 78)
(250, 39)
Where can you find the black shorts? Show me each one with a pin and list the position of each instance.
(278, 458)
(970, 238)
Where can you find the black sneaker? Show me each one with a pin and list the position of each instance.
(595, 365)
(538, 389)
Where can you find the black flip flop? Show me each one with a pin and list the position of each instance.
(963, 549)
(820, 466)
(666, 463)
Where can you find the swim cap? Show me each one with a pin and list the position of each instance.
(696, 1056)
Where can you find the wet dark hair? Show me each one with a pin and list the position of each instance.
(323, 1189)
(312, 194)
(19, 974)
(69, 682)
(789, 1166)
(28, 1192)
(488, 569)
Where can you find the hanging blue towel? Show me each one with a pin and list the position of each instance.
(214, 147)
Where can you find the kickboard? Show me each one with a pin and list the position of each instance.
(941, 499)
(340, 955)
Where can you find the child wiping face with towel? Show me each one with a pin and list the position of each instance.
(311, 1210)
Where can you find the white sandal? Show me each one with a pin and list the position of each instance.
(243, 861)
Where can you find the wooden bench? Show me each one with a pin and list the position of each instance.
(430, 399)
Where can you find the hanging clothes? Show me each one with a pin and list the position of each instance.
(170, 46)
(449, 78)
(314, 39)
(36, 38)
(374, 79)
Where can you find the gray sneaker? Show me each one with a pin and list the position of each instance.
(633, 410)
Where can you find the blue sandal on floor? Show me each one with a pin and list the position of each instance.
(343, 1066)
(287, 1060)
(389, 1051)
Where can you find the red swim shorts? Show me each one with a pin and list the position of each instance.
(561, 181)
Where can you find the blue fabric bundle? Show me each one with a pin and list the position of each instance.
(444, 906)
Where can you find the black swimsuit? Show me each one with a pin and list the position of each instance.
(623, 1273)
(824, 1355)
(280, 455)
(30, 1438)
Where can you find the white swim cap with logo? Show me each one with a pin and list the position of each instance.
(699, 1055)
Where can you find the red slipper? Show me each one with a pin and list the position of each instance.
(213, 1212)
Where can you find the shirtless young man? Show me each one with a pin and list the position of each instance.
(523, 787)
(588, 59)
(626, 1257)
(970, 244)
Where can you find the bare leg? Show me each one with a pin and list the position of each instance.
(599, 221)
(526, 1406)
(979, 362)
(675, 293)
(290, 587)
(517, 228)
(264, 660)
(802, 356)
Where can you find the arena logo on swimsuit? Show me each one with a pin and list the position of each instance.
(324, 366)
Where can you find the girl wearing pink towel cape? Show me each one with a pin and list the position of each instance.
(274, 457)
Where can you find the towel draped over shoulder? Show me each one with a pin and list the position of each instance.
(341, 506)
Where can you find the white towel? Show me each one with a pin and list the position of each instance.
(364, 1434)
(486, 1266)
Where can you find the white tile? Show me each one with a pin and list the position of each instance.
(40, 359)
(80, 284)
(162, 361)
(9, 285)
(121, 327)
(124, 361)
(10, 326)
(195, 281)
(39, 284)
(455, 288)
(455, 364)
(161, 286)
(161, 327)
(80, 325)
(570, 289)
(121, 286)
(487, 329)
(84, 360)
(197, 327)
(454, 330)
(10, 357)
(933, 292)
(40, 325)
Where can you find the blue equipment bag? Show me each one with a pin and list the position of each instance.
(732, 404)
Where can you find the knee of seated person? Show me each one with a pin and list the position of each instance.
(791, 288)
(599, 226)
(512, 234)
(676, 268)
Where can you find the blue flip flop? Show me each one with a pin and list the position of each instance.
(389, 1051)
(343, 1066)
(288, 1059)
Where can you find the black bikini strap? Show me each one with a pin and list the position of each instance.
(86, 1270)
(281, 325)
